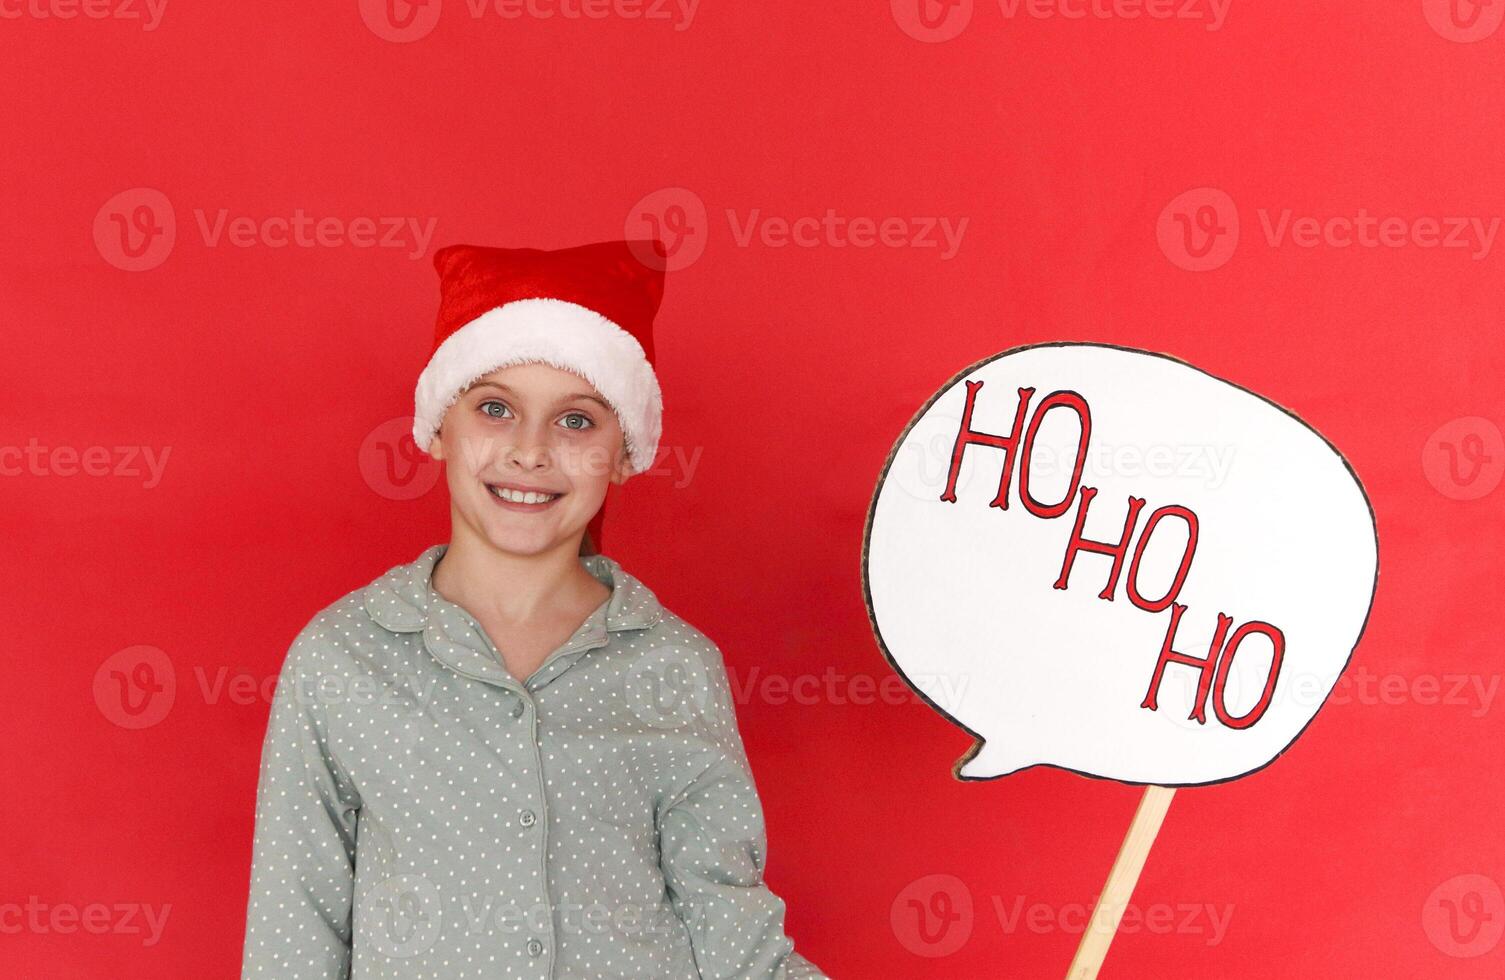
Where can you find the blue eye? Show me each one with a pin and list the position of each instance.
(589, 422)
(493, 408)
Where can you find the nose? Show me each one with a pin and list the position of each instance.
(532, 448)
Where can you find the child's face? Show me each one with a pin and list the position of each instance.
(532, 426)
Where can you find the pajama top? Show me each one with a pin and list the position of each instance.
(423, 815)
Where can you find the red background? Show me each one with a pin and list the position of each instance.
(790, 371)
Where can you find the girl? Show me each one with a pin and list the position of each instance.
(506, 758)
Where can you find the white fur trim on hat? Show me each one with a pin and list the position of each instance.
(557, 332)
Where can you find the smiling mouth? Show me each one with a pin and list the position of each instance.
(522, 498)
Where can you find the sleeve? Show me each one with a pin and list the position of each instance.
(303, 862)
(713, 849)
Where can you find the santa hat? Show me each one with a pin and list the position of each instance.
(587, 309)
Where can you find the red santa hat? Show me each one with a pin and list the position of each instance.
(587, 309)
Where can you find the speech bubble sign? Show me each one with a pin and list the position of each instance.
(1108, 561)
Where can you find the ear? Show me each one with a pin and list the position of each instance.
(621, 468)
(436, 445)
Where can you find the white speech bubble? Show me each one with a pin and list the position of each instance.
(961, 590)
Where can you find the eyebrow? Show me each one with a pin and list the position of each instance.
(565, 400)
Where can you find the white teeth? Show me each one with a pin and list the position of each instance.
(528, 497)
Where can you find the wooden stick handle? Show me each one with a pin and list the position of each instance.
(1109, 910)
